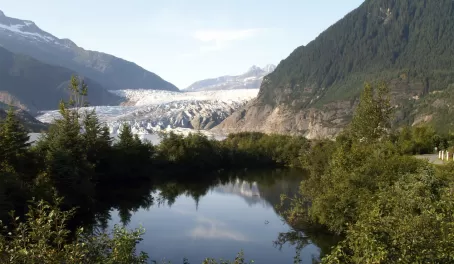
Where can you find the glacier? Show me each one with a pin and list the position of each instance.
(155, 111)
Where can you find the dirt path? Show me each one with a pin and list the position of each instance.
(432, 158)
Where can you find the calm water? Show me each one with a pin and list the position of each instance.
(215, 219)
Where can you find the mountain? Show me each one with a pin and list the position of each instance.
(407, 43)
(32, 85)
(26, 119)
(249, 80)
(23, 36)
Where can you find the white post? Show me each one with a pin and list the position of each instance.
(439, 154)
(443, 155)
(447, 156)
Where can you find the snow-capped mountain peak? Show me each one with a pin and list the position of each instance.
(249, 80)
(269, 68)
(25, 29)
(254, 68)
(25, 37)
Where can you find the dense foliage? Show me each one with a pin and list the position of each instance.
(407, 43)
(364, 186)
(389, 207)
(45, 239)
(25, 118)
(77, 159)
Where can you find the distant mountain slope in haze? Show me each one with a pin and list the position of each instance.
(249, 80)
(28, 121)
(23, 36)
(32, 85)
(408, 43)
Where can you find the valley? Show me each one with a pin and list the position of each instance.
(153, 111)
(327, 156)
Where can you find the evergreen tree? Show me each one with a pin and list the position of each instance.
(13, 143)
(97, 142)
(126, 137)
(64, 152)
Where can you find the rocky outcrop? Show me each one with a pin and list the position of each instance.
(313, 91)
(311, 122)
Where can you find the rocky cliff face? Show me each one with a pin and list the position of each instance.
(310, 122)
(313, 92)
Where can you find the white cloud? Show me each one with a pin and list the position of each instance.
(211, 228)
(215, 40)
(214, 229)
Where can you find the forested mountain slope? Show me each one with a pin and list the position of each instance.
(407, 43)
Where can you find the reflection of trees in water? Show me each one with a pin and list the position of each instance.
(255, 187)
(304, 236)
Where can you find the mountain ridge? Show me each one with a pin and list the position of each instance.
(114, 73)
(251, 79)
(27, 120)
(314, 90)
(31, 85)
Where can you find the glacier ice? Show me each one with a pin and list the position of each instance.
(154, 111)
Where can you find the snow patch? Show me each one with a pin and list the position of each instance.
(252, 79)
(17, 29)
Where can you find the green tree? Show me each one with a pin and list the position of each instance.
(14, 143)
(361, 161)
(372, 118)
(127, 139)
(43, 238)
(63, 151)
(97, 142)
(131, 157)
(409, 221)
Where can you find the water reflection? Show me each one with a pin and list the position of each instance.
(215, 216)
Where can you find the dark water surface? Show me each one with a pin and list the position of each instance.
(214, 218)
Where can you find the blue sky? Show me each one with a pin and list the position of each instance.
(186, 41)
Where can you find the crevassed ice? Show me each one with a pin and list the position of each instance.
(163, 111)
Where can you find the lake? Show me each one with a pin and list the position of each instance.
(212, 218)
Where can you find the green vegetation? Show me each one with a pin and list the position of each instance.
(385, 205)
(43, 238)
(76, 159)
(435, 107)
(389, 207)
(27, 120)
(406, 43)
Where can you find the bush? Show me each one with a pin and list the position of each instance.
(43, 238)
